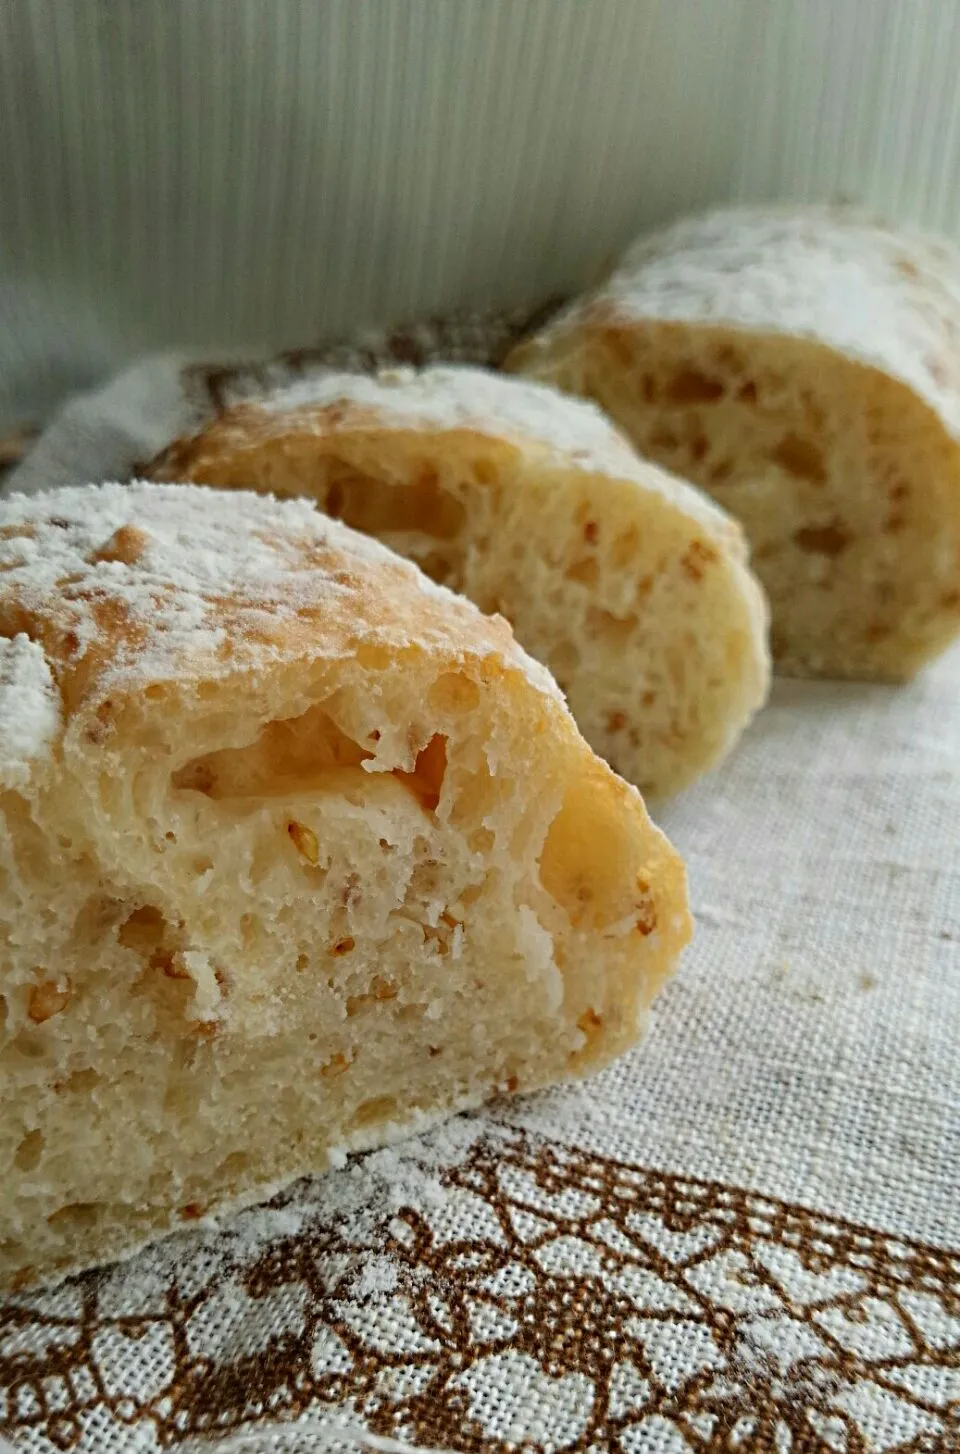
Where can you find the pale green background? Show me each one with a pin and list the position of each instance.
(272, 171)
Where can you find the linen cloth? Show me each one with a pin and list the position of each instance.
(743, 1236)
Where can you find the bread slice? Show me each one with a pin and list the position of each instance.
(629, 585)
(297, 852)
(804, 367)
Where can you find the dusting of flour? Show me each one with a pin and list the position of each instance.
(455, 396)
(29, 708)
(150, 581)
(887, 296)
(572, 433)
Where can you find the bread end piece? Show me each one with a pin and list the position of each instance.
(800, 366)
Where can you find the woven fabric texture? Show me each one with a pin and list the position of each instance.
(744, 1236)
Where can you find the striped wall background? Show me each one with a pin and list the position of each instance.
(231, 172)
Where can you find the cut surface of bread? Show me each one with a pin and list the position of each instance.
(298, 851)
(631, 587)
(803, 366)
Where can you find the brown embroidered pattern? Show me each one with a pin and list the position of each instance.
(469, 338)
(550, 1299)
(483, 339)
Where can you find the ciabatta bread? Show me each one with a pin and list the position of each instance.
(804, 367)
(632, 587)
(297, 852)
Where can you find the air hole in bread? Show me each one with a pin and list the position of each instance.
(605, 623)
(4, 1014)
(426, 780)
(80, 1215)
(583, 839)
(800, 458)
(96, 916)
(291, 755)
(697, 557)
(165, 979)
(625, 546)
(453, 692)
(586, 570)
(144, 931)
(80, 1082)
(374, 658)
(830, 540)
(29, 1045)
(335, 1066)
(564, 659)
(235, 1164)
(376, 507)
(178, 1099)
(379, 1109)
(440, 567)
(380, 990)
(590, 1025)
(306, 753)
(690, 386)
(24, 833)
(48, 998)
(304, 841)
(28, 1153)
(477, 796)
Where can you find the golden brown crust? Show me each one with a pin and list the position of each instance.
(129, 584)
(439, 403)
